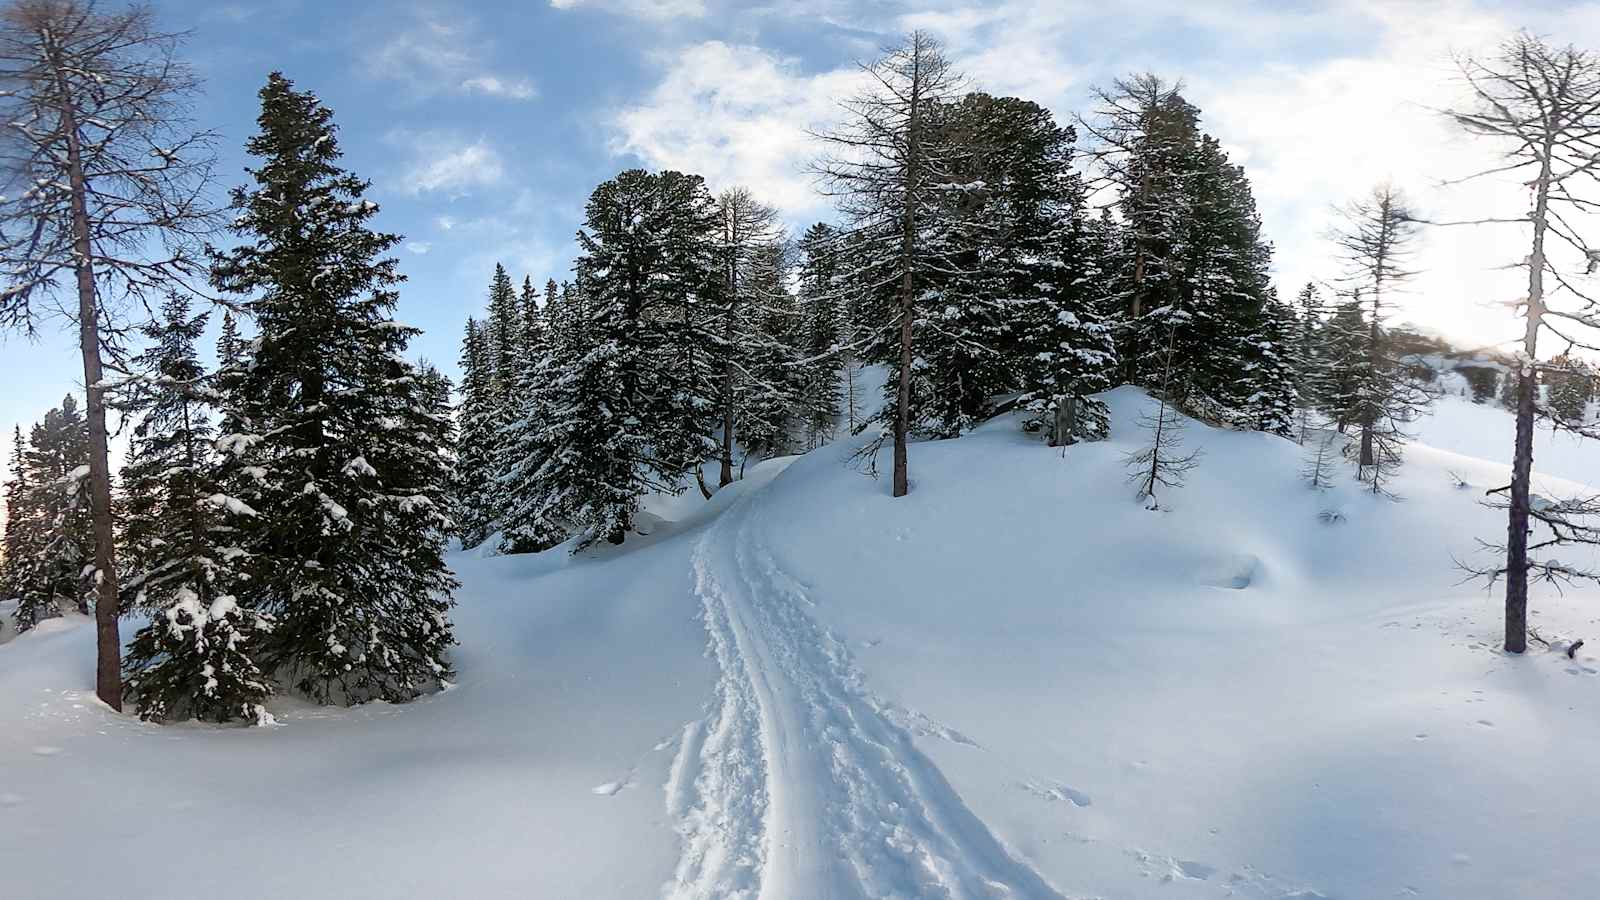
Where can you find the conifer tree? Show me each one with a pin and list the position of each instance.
(55, 536)
(822, 358)
(1571, 387)
(772, 382)
(475, 462)
(626, 402)
(1309, 357)
(890, 176)
(22, 529)
(748, 229)
(341, 445)
(1377, 239)
(194, 657)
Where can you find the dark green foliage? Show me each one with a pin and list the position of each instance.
(341, 444)
(1481, 380)
(193, 659)
(49, 537)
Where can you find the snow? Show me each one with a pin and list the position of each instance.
(1016, 682)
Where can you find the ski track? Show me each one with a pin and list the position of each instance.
(800, 782)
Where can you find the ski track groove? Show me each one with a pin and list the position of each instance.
(800, 782)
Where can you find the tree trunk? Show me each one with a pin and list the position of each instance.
(1522, 454)
(902, 412)
(725, 476)
(108, 662)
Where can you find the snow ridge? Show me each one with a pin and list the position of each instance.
(800, 782)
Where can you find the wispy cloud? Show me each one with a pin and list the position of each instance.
(443, 162)
(740, 115)
(656, 10)
(432, 54)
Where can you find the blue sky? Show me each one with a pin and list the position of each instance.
(484, 125)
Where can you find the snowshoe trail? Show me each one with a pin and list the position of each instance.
(800, 782)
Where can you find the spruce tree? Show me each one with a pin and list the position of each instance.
(341, 445)
(194, 658)
(1571, 387)
(628, 401)
(56, 554)
(22, 529)
(822, 360)
(475, 461)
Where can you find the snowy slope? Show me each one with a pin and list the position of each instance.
(1016, 682)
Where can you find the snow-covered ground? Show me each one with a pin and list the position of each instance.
(1016, 682)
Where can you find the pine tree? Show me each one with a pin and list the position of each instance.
(55, 557)
(1145, 135)
(771, 385)
(1571, 387)
(822, 359)
(1309, 357)
(22, 528)
(627, 401)
(342, 444)
(747, 229)
(194, 657)
(475, 463)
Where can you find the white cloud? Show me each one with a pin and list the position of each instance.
(1314, 127)
(447, 163)
(420, 248)
(494, 86)
(738, 115)
(433, 55)
(644, 9)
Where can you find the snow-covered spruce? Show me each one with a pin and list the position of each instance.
(179, 544)
(49, 539)
(341, 442)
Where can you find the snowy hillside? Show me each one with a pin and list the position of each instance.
(1016, 682)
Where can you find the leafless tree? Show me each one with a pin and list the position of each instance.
(1540, 105)
(105, 195)
(886, 170)
(1377, 238)
(1162, 462)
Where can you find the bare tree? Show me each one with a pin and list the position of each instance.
(1377, 238)
(105, 190)
(888, 164)
(1162, 463)
(1541, 105)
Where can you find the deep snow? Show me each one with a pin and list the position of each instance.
(1016, 682)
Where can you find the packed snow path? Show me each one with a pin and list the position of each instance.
(800, 782)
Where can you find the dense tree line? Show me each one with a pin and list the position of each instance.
(969, 262)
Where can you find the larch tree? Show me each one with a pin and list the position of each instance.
(888, 172)
(105, 193)
(1377, 240)
(1540, 106)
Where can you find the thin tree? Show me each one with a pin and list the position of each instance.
(887, 173)
(1541, 105)
(105, 190)
(1162, 463)
(1377, 239)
